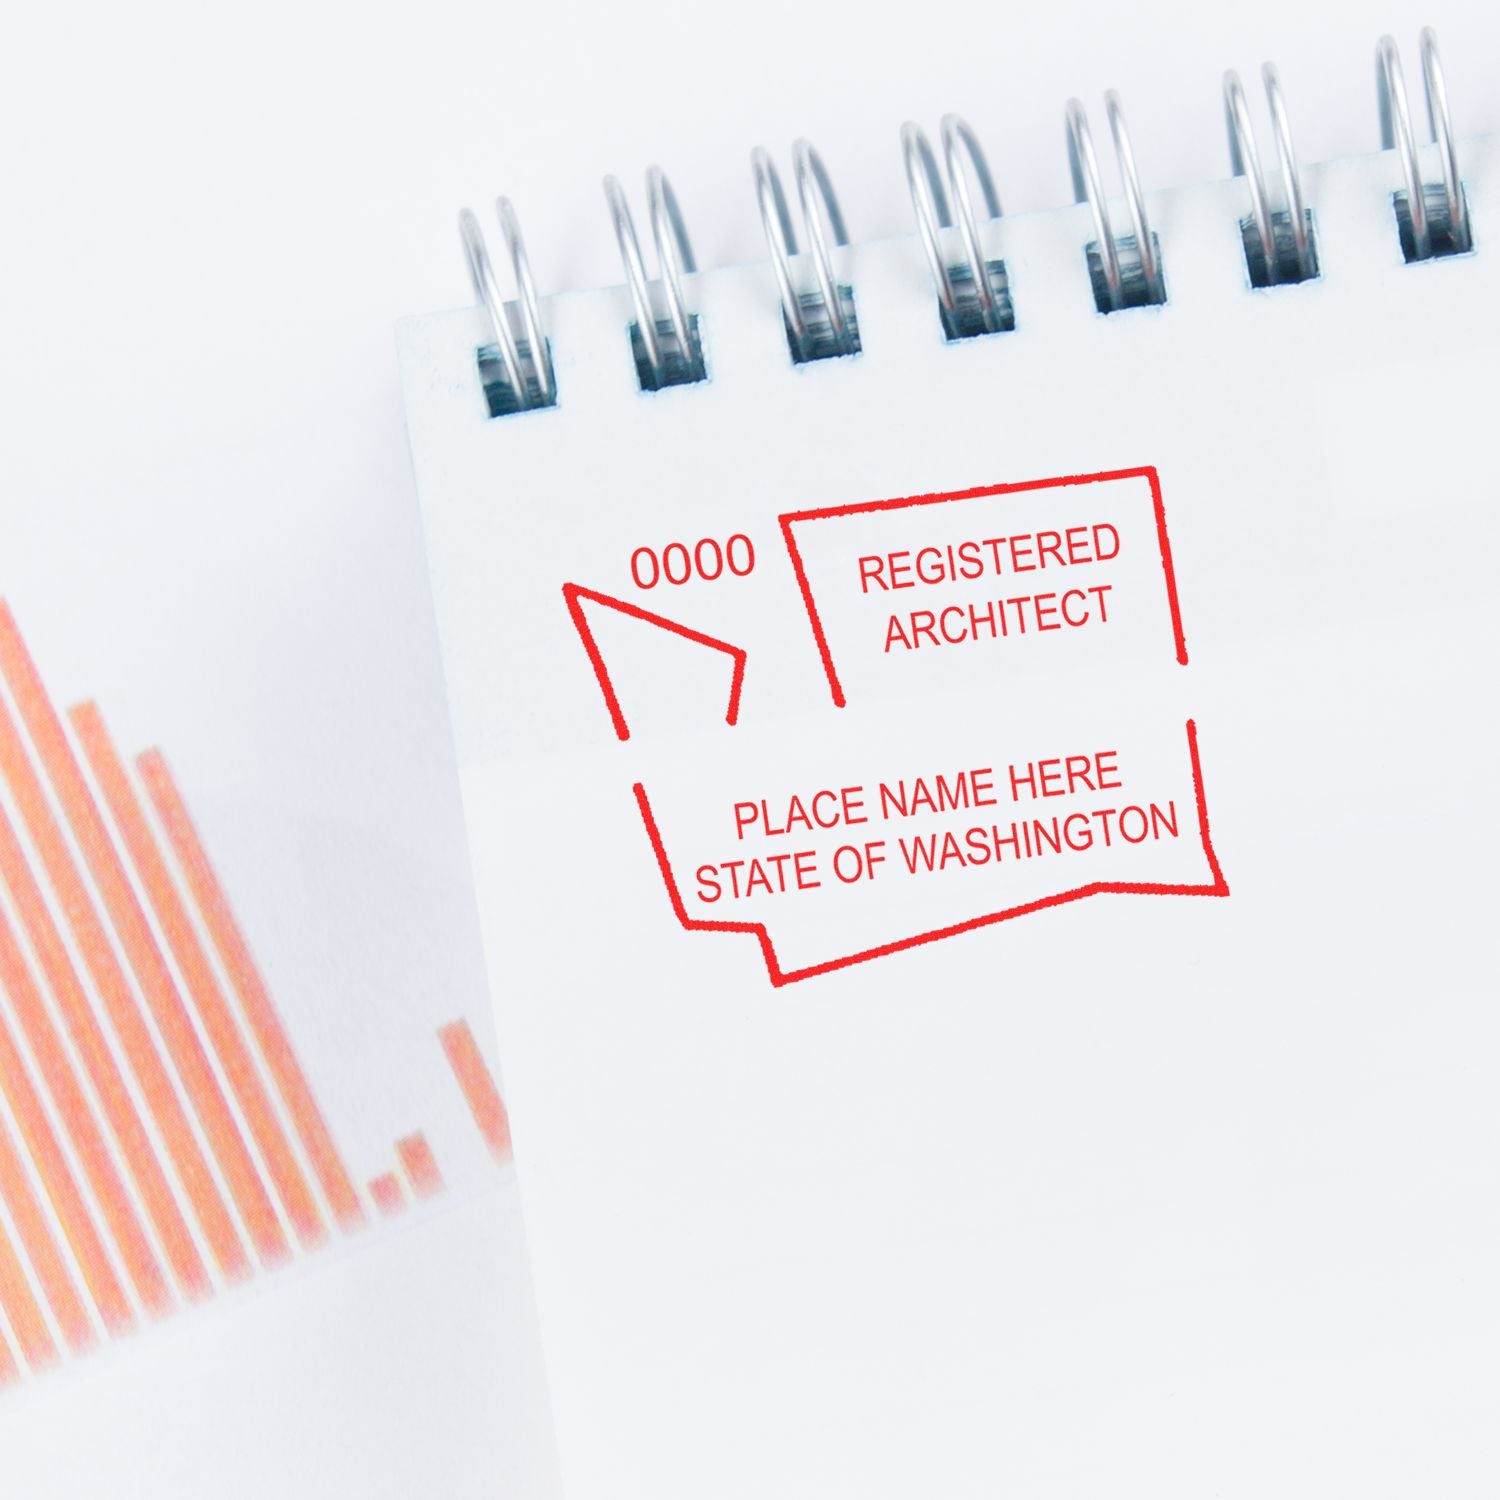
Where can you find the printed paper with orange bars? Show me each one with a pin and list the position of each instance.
(165, 1003)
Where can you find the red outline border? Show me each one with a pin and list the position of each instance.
(828, 512)
(780, 976)
(573, 592)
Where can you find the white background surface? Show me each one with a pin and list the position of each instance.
(213, 217)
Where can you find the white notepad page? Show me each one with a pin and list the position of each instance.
(1138, 1136)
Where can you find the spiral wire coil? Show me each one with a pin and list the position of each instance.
(832, 332)
(526, 392)
(973, 291)
(1285, 238)
(1435, 228)
(658, 364)
(931, 201)
(1131, 268)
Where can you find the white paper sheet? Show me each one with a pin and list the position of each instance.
(1000, 1178)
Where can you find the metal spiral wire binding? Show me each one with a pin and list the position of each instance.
(1134, 278)
(931, 202)
(822, 218)
(1279, 262)
(1440, 122)
(540, 390)
(1279, 233)
(660, 366)
(1396, 131)
(1451, 235)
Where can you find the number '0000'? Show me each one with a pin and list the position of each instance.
(677, 563)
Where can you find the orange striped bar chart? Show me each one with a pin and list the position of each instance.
(159, 1138)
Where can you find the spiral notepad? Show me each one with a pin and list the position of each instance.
(973, 750)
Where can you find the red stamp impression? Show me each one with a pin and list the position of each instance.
(977, 761)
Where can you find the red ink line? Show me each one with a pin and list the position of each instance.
(1166, 566)
(779, 976)
(979, 492)
(574, 592)
(831, 512)
(1220, 885)
(835, 687)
